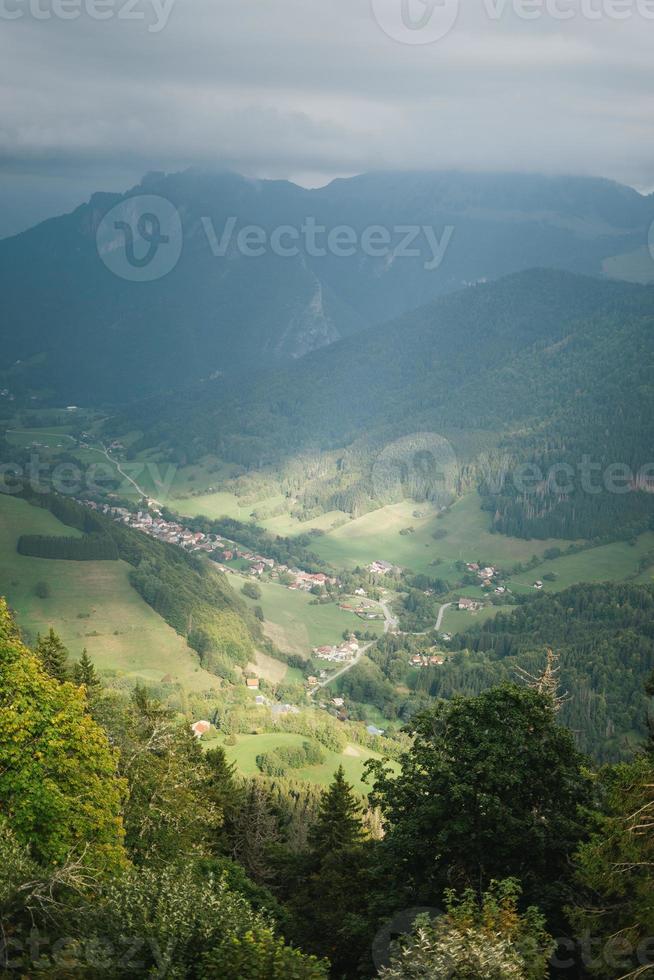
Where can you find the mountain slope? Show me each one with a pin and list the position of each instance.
(73, 330)
(557, 366)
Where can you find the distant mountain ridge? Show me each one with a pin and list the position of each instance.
(74, 332)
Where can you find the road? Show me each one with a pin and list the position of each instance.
(390, 623)
(441, 613)
(104, 452)
(339, 673)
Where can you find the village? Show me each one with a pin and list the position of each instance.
(218, 549)
(223, 551)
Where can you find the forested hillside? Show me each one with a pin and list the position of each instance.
(552, 368)
(604, 635)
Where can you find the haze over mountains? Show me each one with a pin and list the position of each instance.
(74, 332)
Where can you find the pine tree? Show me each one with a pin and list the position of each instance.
(224, 791)
(84, 673)
(53, 655)
(331, 892)
(339, 825)
(256, 832)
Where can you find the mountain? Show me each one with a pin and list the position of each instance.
(549, 367)
(75, 332)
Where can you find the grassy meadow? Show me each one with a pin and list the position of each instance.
(90, 604)
(296, 626)
(463, 531)
(244, 753)
(614, 562)
(455, 621)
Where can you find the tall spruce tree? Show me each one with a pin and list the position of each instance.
(330, 895)
(53, 655)
(84, 673)
(338, 826)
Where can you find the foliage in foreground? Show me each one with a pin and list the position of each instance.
(487, 940)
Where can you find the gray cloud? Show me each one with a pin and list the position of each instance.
(311, 90)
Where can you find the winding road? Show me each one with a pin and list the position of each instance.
(390, 623)
(105, 452)
(441, 613)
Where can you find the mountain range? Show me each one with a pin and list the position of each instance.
(74, 332)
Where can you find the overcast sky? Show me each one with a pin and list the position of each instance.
(312, 89)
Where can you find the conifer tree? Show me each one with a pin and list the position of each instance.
(84, 673)
(338, 826)
(256, 832)
(53, 655)
(333, 888)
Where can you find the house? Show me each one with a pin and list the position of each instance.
(416, 660)
(436, 660)
(361, 592)
(200, 728)
(252, 682)
(312, 681)
(467, 604)
(380, 567)
(338, 702)
(538, 585)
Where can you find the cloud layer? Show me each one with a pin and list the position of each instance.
(309, 89)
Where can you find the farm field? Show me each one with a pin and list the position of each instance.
(455, 621)
(295, 626)
(222, 504)
(90, 604)
(464, 530)
(353, 758)
(612, 562)
(54, 437)
(225, 504)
